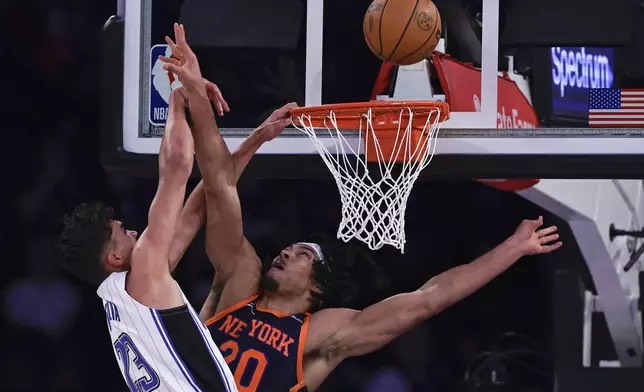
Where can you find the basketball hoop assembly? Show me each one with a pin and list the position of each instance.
(375, 151)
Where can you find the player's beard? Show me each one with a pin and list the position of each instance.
(269, 284)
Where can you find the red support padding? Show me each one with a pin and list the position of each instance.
(511, 185)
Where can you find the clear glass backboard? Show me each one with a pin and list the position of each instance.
(519, 95)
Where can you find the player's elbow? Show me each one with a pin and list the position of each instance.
(221, 187)
(237, 259)
(179, 160)
(179, 157)
(432, 300)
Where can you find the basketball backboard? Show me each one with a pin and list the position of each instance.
(519, 96)
(528, 120)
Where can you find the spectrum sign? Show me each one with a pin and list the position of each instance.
(574, 72)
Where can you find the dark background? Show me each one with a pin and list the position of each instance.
(54, 336)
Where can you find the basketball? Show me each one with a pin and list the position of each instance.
(403, 32)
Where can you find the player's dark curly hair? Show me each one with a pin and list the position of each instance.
(83, 240)
(336, 274)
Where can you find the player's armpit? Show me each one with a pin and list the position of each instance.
(228, 290)
(337, 334)
(209, 308)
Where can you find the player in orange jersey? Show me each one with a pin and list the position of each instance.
(261, 321)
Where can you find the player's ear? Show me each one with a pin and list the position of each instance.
(315, 287)
(113, 259)
(316, 299)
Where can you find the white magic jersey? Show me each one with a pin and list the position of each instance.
(146, 353)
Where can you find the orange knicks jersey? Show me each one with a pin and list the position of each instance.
(263, 348)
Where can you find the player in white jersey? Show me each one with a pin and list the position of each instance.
(161, 349)
(158, 339)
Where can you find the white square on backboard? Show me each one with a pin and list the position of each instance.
(486, 118)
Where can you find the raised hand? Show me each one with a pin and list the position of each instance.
(533, 241)
(214, 94)
(273, 126)
(183, 62)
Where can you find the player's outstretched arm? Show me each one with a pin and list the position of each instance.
(239, 277)
(193, 214)
(224, 220)
(150, 273)
(358, 333)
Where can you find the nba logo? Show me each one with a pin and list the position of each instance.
(161, 83)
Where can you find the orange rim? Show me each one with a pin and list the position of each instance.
(385, 114)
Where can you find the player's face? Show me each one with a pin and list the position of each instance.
(121, 245)
(292, 270)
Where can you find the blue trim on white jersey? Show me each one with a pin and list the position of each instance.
(173, 351)
(199, 326)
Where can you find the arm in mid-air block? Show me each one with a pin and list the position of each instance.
(150, 282)
(237, 267)
(193, 215)
(223, 220)
(336, 334)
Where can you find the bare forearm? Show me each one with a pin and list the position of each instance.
(368, 330)
(177, 146)
(453, 285)
(193, 215)
(246, 151)
(192, 218)
(380, 323)
(212, 153)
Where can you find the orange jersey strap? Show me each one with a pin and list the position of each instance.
(300, 355)
(231, 309)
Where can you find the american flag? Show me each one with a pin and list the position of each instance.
(615, 108)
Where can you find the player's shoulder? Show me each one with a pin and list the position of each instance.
(114, 281)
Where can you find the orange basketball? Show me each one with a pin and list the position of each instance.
(402, 31)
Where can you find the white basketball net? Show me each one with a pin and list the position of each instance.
(373, 207)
